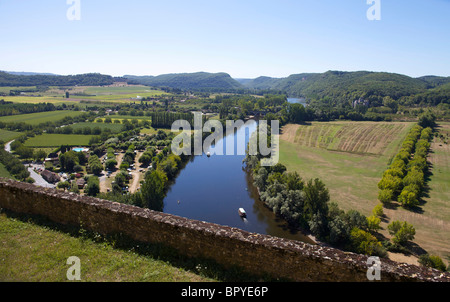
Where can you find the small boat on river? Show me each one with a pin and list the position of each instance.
(242, 212)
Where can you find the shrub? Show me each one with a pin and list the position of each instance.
(432, 261)
(363, 242)
(389, 182)
(385, 196)
(373, 223)
(378, 210)
(401, 231)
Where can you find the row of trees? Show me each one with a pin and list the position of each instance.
(13, 165)
(306, 205)
(405, 178)
(166, 119)
(10, 108)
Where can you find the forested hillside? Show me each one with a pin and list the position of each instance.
(348, 86)
(189, 81)
(89, 79)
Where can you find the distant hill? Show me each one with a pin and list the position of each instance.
(89, 79)
(347, 85)
(189, 81)
(30, 73)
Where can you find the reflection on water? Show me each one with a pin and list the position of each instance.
(213, 188)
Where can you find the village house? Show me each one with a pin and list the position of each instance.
(50, 177)
(360, 101)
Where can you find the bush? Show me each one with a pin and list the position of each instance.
(408, 198)
(385, 196)
(432, 261)
(363, 242)
(373, 223)
(378, 210)
(401, 231)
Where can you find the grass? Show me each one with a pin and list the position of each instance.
(55, 140)
(7, 136)
(31, 251)
(115, 128)
(110, 94)
(352, 177)
(351, 174)
(40, 117)
(3, 172)
(35, 249)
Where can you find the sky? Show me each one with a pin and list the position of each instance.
(245, 38)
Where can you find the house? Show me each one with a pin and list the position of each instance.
(50, 177)
(81, 183)
(360, 101)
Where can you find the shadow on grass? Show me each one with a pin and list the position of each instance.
(203, 267)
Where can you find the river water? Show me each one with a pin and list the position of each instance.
(213, 188)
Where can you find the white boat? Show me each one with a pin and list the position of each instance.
(242, 212)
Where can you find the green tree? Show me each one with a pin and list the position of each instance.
(378, 210)
(93, 186)
(153, 190)
(316, 198)
(385, 196)
(373, 223)
(296, 113)
(401, 231)
(432, 261)
(68, 160)
(363, 242)
(63, 185)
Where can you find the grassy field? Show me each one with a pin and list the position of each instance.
(55, 140)
(6, 136)
(38, 253)
(55, 100)
(127, 117)
(112, 94)
(3, 172)
(352, 173)
(40, 117)
(115, 128)
(350, 157)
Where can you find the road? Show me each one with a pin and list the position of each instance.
(39, 181)
(8, 146)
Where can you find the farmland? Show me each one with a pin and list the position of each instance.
(6, 136)
(350, 157)
(40, 117)
(56, 140)
(109, 94)
(115, 128)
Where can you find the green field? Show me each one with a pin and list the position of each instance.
(350, 157)
(4, 172)
(327, 151)
(40, 117)
(31, 252)
(56, 140)
(6, 136)
(116, 94)
(115, 128)
(111, 94)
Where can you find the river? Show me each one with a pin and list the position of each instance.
(297, 100)
(213, 188)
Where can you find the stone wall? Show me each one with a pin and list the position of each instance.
(257, 254)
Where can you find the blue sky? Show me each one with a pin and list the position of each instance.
(245, 38)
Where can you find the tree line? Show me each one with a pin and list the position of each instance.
(404, 180)
(89, 79)
(10, 108)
